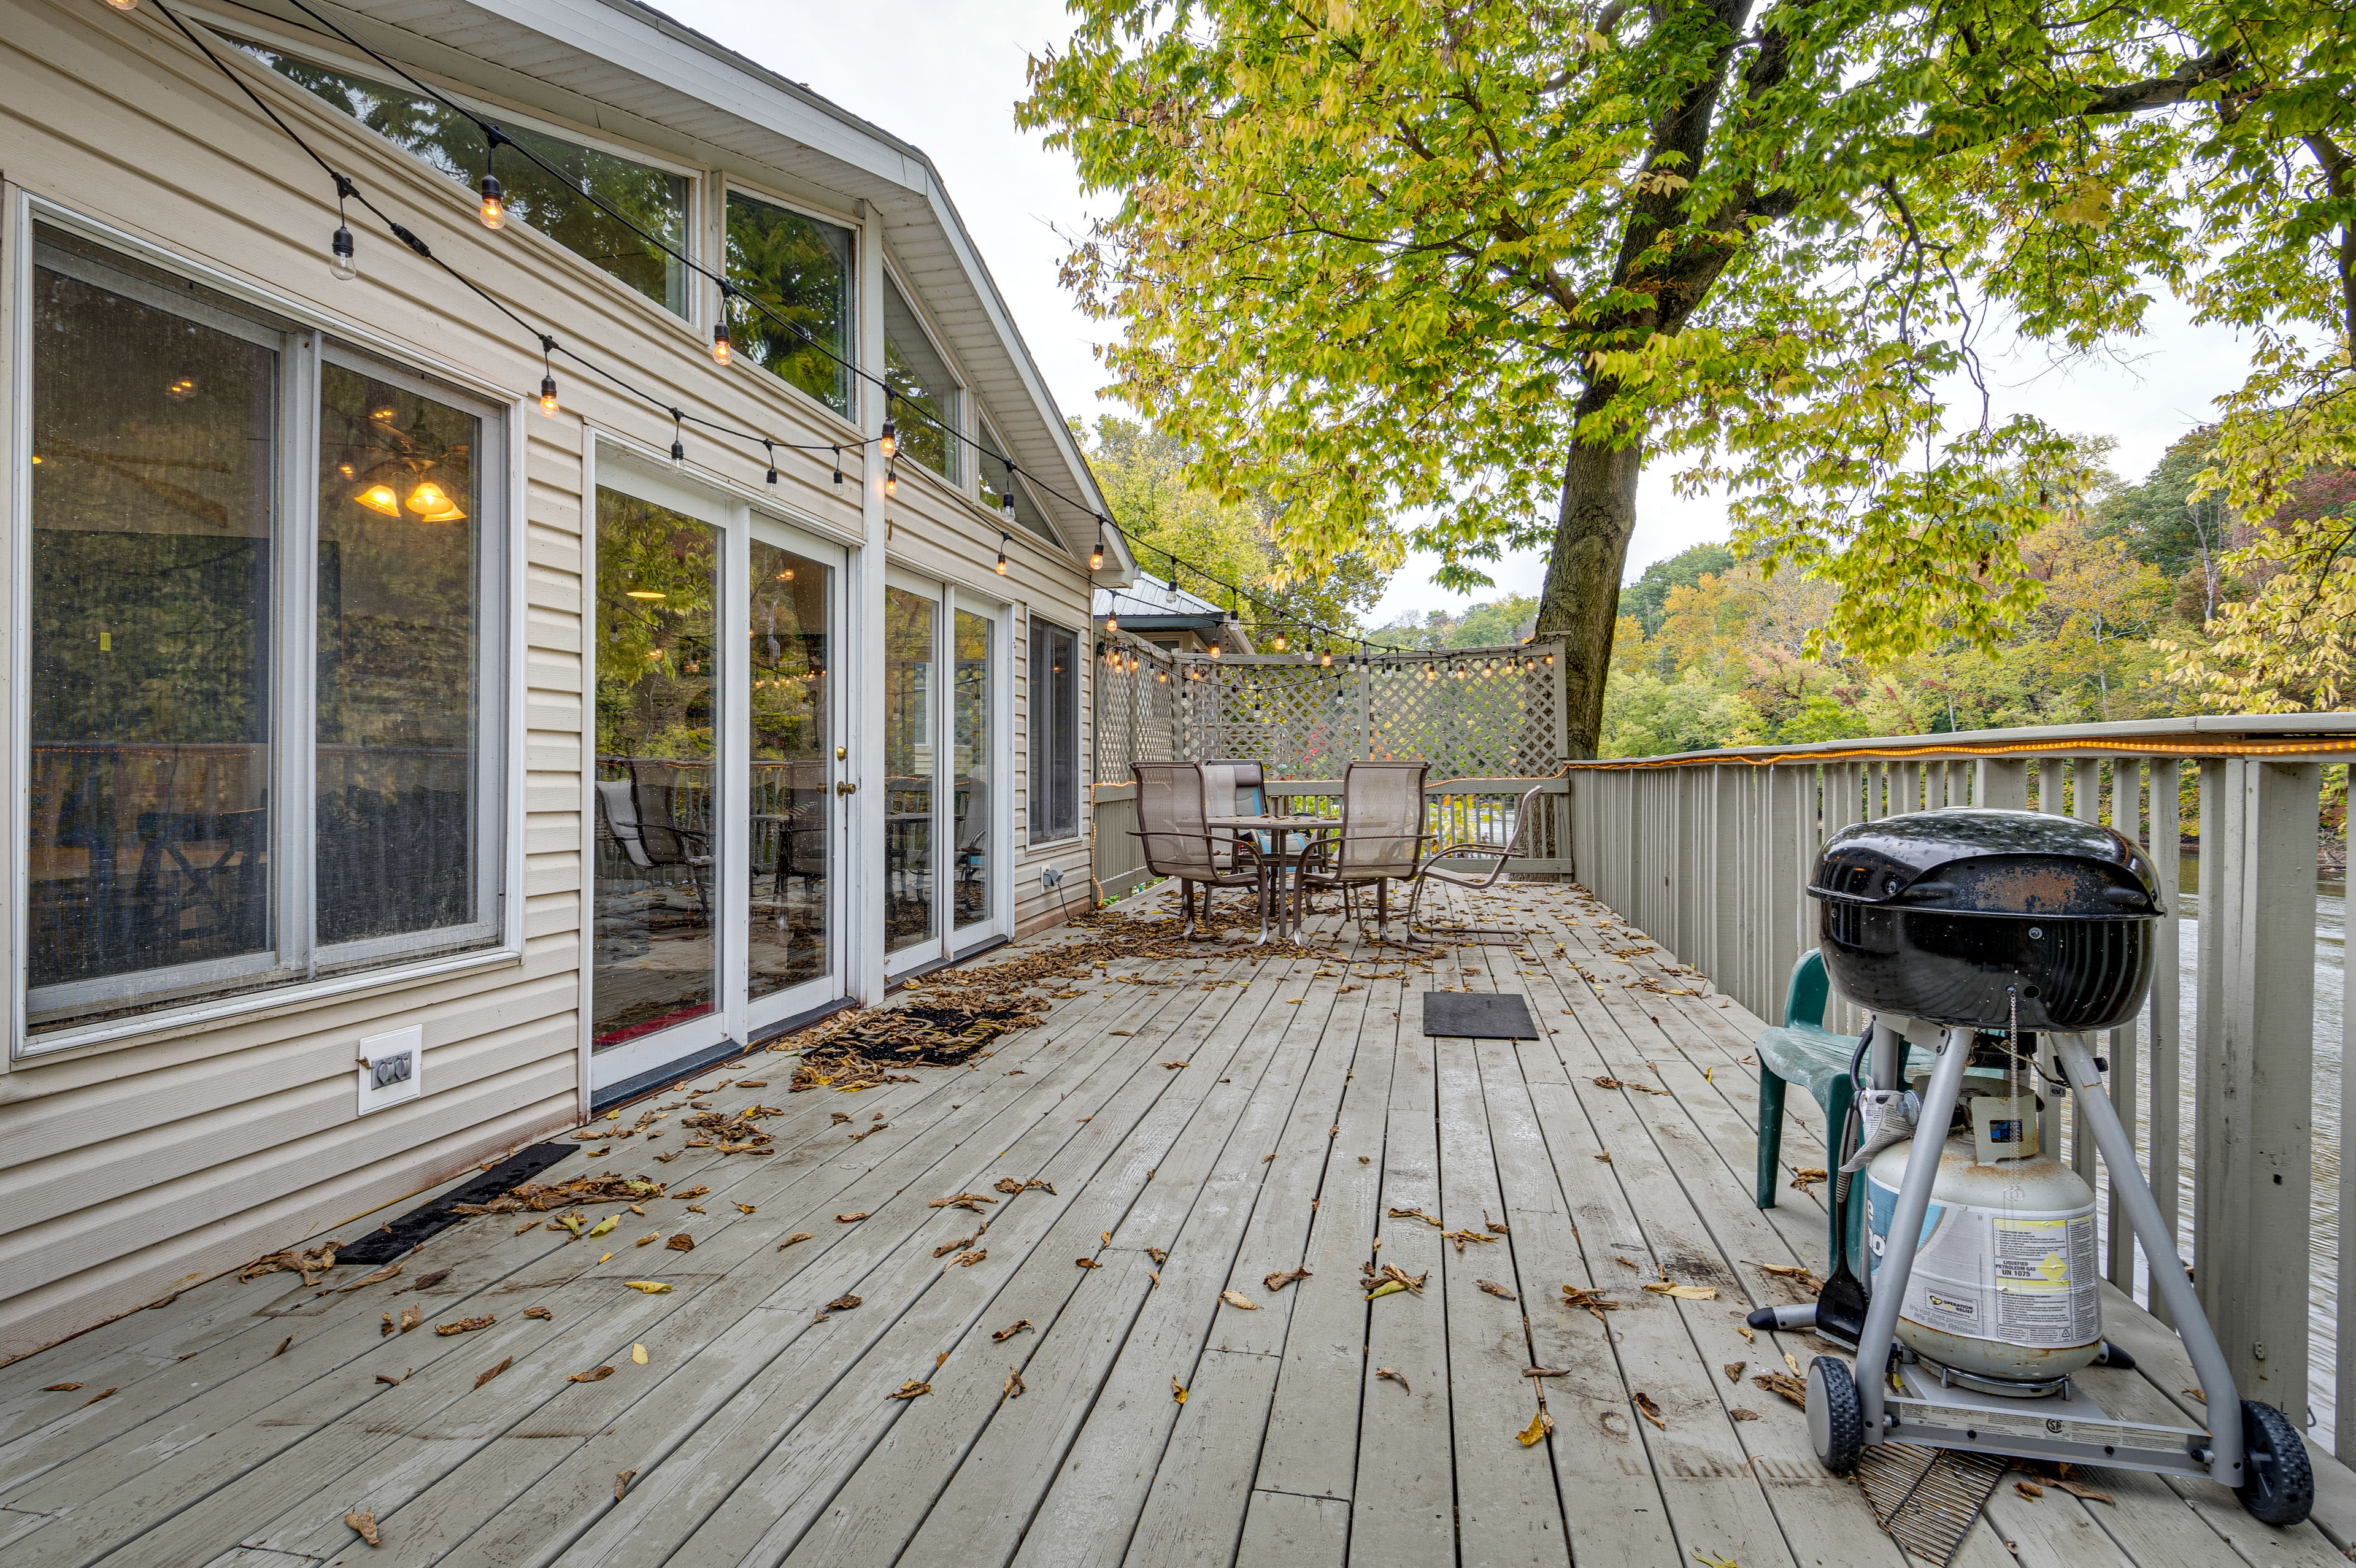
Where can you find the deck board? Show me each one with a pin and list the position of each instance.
(1309, 1106)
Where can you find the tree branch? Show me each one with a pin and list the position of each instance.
(2159, 93)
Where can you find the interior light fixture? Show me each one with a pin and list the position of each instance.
(381, 498)
(180, 388)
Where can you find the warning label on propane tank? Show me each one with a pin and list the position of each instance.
(2024, 1278)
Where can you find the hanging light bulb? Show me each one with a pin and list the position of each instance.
(1486, 669)
(1279, 644)
(770, 447)
(1162, 675)
(1217, 650)
(1112, 623)
(1095, 556)
(889, 442)
(339, 254)
(721, 347)
(1325, 661)
(677, 447)
(837, 465)
(891, 481)
(1002, 552)
(495, 203)
(548, 395)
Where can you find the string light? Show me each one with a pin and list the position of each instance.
(1112, 621)
(677, 447)
(771, 448)
(889, 442)
(1006, 493)
(837, 465)
(1325, 661)
(340, 261)
(891, 481)
(1001, 553)
(721, 347)
(494, 204)
(1095, 556)
(548, 376)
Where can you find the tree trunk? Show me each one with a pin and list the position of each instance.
(1580, 602)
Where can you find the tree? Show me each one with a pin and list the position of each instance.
(1483, 258)
(1649, 594)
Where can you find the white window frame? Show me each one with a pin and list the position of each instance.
(1082, 652)
(963, 423)
(497, 932)
(723, 186)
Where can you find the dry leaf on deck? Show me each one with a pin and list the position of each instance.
(2198, 1394)
(1177, 1064)
(1417, 1214)
(912, 1389)
(638, 1354)
(381, 1333)
(1792, 1361)
(394, 1382)
(622, 1480)
(1739, 1413)
(1784, 1384)
(60, 1388)
(2029, 1488)
(1387, 1372)
(961, 1201)
(1177, 1390)
(365, 1524)
(1747, 1336)
(1493, 1288)
(1492, 1225)
(1684, 1292)
(102, 1393)
(1157, 1256)
(467, 1324)
(748, 1208)
(1625, 1262)
(1710, 1560)
(842, 1303)
(1546, 1371)
(2080, 1489)
(1283, 1277)
(411, 1316)
(385, 1272)
(594, 1374)
(691, 1193)
(1237, 1298)
(495, 1371)
(1595, 1301)
(789, 1241)
(1807, 1176)
(650, 1286)
(967, 1260)
(1535, 1433)
(543, 1313)
(1014, 1389)
(850, 1219)
(1648, 1410)
(1734, 1371)
(682, 1242)
(605, 1224)
(1605, 1157)
(1087, 1262)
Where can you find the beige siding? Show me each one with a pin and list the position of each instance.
(138, 1165)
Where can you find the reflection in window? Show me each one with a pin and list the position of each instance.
(400, 518)
(653, 955)
(801, 269)
(155, 447)
(561, 208)
(910, 768)
(1054, 701)
(996, 482)
(923, 393)
(976, 811)
(792, 821)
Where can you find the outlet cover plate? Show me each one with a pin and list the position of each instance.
(392, 1068)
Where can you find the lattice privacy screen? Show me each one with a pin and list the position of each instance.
(1136, 705)
(1470, 712)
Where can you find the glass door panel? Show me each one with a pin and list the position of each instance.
(911, 722)
(976, 804)
(791, 822)
(654, 962)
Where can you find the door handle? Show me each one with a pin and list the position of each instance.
(845, 786)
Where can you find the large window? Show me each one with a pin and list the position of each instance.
(801, 269)
(923, 393)
(201, 818)
(564, 206)
(1054, 732)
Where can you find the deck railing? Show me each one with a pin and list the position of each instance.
(2230, 1081)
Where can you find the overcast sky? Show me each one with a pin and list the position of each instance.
(945, 77)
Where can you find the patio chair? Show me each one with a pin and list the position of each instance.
(1178, 843)
(1446, 866)
(1381, 841)
(639, 814)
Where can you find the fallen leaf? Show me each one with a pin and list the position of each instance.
(1493, 1288)
(1739, 1413)
(691, 1193)
(1686, 1292)
(281, 1347)
(789, 1241)
(2080, 1489)
(60, 1388)
(638, 1354)
(842, 1303)
(605, 1257)
(1535, 1433)
(695, 1208)
(1493, 1224)
(1792, 1361)
(467, 1324)
(1281, 1278)
(543, 1313)
(1387, 1372)
(1237, 1298)
(1648, 1410)
(1417, 1214)
(1014, 1328)
(1389, 1287)
(1734, 1371)
(622, 1480)
(1177, 1064)
(365, 1525)
(2198, 1394)
(1747, 1336)
(1157, 1256)
(850, 1219)
(385, 1272)
(394, 1382)
(1807, 1176)
(594, 1374)
(652, 1287)
(1605, 1157)
(1087, 1262)
(967, 1260)
(681, 1242)
(495, 1371)
(1595, 1301)
(1625, 1262)
(102, 1393)
(1177, 1390)
(1708, 1561)
(1546, 1371)
(2029, 1488)
(411, 1316)
(912, 1389)
(747, 1207)
(605, 1224)
(1784, 1384)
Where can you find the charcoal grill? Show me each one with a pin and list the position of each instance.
(1948, 925)
(1950, 915)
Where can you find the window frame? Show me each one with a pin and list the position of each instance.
(970, 483)
(1035, 836)
(723, 184)
(310, 337)
(229, 34)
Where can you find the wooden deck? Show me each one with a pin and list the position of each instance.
(1241, 1113)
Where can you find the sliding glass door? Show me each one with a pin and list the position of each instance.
(944, 811)
(717, 824)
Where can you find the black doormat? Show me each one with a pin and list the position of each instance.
(393, 1240)
(1462, 1015)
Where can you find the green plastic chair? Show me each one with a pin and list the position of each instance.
(1801, 1051)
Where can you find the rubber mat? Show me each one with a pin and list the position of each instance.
(1461, 1014)
(1928, 1498)
(395, 1238)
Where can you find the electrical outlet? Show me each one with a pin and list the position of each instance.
(1051, 877)
(391, 1068)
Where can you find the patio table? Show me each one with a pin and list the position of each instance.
(1276, 833)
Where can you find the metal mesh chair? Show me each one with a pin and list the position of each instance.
(1178, 842)
(1382, 836)
(1438, 869)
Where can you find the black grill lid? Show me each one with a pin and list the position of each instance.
(1971, 860)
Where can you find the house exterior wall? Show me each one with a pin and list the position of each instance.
(139, 1164)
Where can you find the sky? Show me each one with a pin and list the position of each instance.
(948, 80)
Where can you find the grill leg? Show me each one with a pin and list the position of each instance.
(1881, 1334)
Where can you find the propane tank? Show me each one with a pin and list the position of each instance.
(2005, 1291)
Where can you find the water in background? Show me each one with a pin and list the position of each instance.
(2330, 995)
